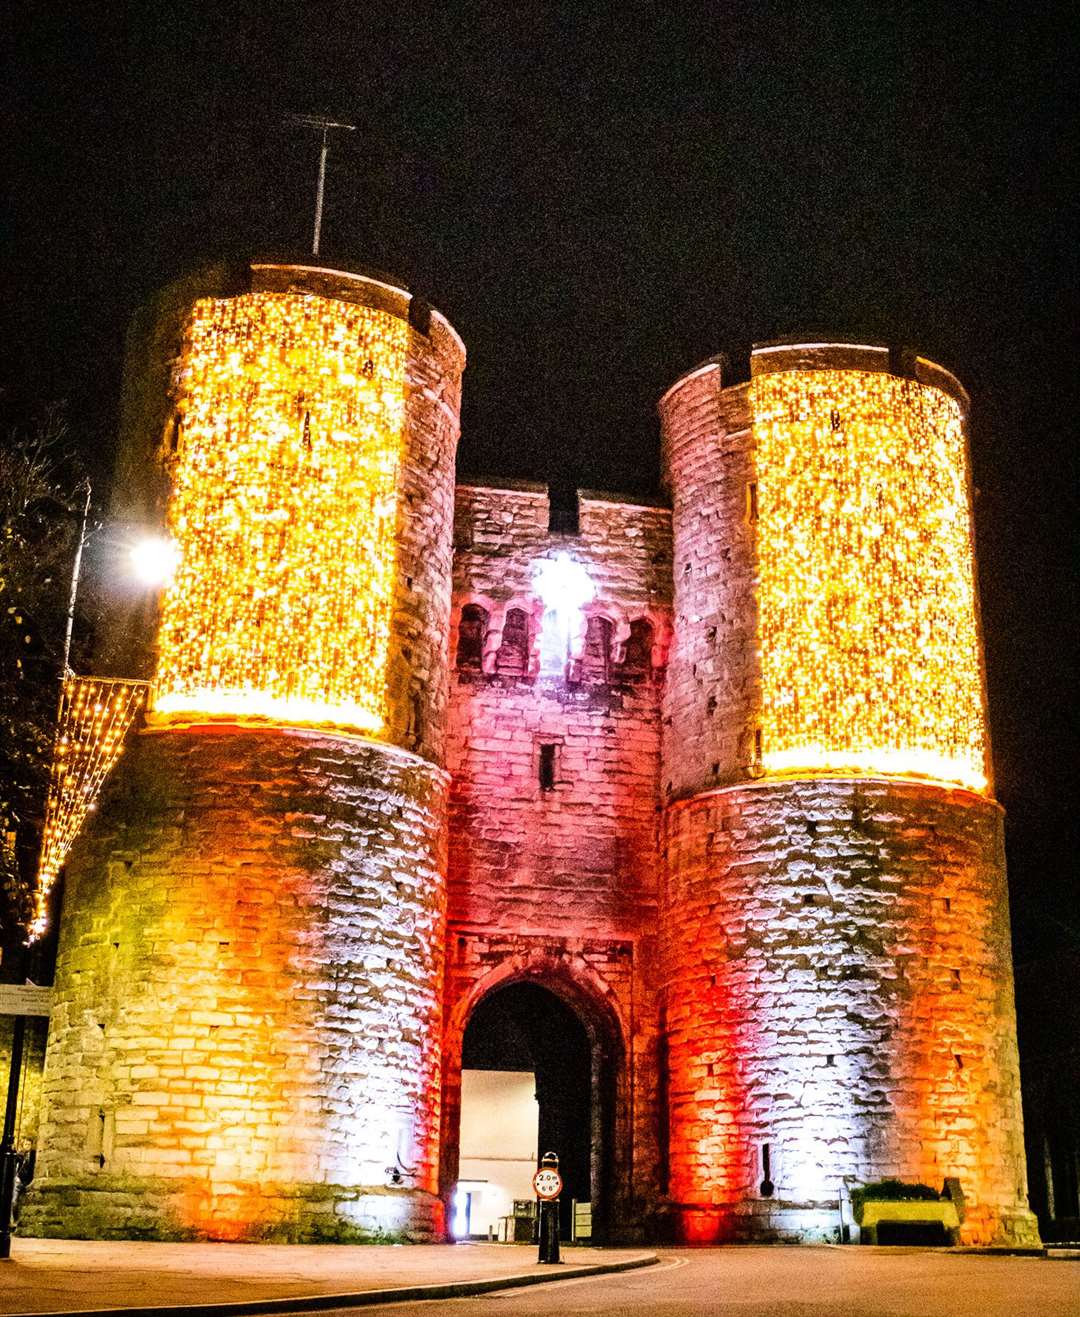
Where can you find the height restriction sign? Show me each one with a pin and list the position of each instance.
(547, 1183)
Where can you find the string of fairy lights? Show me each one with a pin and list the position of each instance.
(867, 614)
(94, 717)
(283, 510)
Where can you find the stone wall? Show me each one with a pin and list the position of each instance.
(245, 1040)
(417, 685)
(712, 694)
(559, 885)
(837, 981)
(836, 964)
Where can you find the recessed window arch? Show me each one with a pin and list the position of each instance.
(472, 629)
(512, 659)
(636, 664)
(596, 654)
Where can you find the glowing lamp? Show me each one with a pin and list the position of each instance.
(154, 560)
(565, 588)
(563, 584)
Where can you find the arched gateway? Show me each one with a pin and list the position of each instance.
(533, 1062)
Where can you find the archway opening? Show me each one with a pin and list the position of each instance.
(523, 1041)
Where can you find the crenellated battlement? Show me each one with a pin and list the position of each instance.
(619, 557)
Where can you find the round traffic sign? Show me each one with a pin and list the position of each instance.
(547, 1183)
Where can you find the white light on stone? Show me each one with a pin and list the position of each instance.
(562, 583)
(565, 588)
(461, 1213)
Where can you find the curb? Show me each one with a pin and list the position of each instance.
(457, 1289)
(1000, 1251)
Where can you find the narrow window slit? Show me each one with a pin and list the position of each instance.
(546, 768)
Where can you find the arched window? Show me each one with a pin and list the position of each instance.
(637, 656)
(596, 655)
(471, 632)
(512, 660)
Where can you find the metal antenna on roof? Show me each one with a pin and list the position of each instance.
(325, 126)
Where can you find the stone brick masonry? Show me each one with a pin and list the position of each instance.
(836, 965)
(838, 986)
(246, 1042)
(559, 885)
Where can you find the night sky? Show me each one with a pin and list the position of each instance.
(600, 196)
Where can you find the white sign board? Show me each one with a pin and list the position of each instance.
(24, 999)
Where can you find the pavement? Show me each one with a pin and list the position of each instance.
(71, 1275)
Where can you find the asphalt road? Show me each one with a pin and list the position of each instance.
(795, 1282)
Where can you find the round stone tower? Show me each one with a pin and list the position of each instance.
(836, 962)
(246, 1035)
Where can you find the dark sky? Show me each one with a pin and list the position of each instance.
(599, 196)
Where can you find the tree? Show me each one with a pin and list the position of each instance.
(41, 499)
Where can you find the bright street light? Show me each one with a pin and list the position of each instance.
(154, 559)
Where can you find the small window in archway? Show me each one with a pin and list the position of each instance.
(512, 659)
(637, 657)
(596, 657)
(471, 632)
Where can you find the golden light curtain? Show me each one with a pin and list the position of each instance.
(870, 658)
(95, 715)
(283, 510)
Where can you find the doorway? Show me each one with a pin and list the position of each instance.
(523, 1037)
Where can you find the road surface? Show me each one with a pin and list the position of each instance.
(792, 1282)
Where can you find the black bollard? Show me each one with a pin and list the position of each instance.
(549, 1232)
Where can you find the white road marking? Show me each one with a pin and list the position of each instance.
(581, 1280)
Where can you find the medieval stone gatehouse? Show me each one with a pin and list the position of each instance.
(713, 771)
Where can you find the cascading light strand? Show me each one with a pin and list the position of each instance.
(95, 716)
(867, 619)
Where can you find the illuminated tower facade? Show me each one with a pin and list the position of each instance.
(836, 971)
(246, 1039)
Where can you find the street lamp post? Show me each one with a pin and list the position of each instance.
(76, 569)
